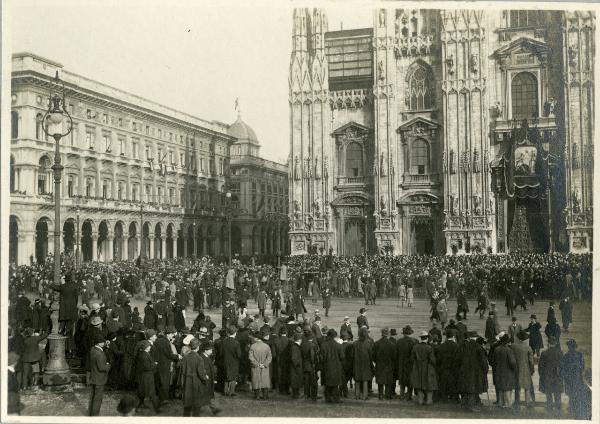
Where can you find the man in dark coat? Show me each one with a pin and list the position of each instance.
(231, 354)
(67, 314)
(295, 366)
(150, 316)
(363, 364)
(551, 313)
(346, 329)
(207, 373)
(310, 352)
(384, 356)
(99, 368)
(362, 320)
(462, 330)
(164, 357)
(403, 355)
(447, 367)
(332, 358)
(192, 373)
(473, 368)
(23, 311)
(504, 367)
(572, 366)
(145, 366)
(535, 335)
(566, 309)
(549, 371)
(423, 378)
(283, 354)
(490, 327)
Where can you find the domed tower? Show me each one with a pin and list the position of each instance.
(247, 143)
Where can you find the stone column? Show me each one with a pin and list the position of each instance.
(174, 247)
(94, 247)
(109, 255)
(139, 245)
(163, 253)
(185, 246)
(151, 245)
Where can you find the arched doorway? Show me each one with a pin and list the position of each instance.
(41, 240)
(158, 237)
(132, 245)
(118, 242)
(354, 237)
(199, 241)
(102, 246)
(13, 240)
(69, 237)
(191, 241)
(86, 241)
(180, 243)
(423, 237)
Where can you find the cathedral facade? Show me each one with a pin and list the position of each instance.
(442, 132)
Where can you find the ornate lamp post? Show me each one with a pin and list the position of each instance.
(57, 371)
(142, 250)
(77, 251)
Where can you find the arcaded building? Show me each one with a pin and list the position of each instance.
(136, 175)
(442, 131)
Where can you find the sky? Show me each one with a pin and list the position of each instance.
(193, 56)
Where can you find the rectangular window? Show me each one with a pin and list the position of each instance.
(120, 122)
(171, 196)
(202, 164)
(104, 118)
(120, 192)
(88, 187)
(89, 139)
(134, 125)
(159, 133)
(104, 189)
(70, 186)
(121, 146)
(134, 191)
(182, 159)
(147, 129)
(88, 114)
(106, 141)
(147, 150)
(134, 146)
(148, 194)
(171, 158)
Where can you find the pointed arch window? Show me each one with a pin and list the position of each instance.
(419, 85)
(354, 160)
(419, 157)
(524, 94)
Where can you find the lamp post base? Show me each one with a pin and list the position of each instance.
(57, 371)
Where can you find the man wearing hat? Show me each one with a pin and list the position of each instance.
(145, 368)
(572, 366)
(150, 315)
(525, 368)
(535, 335)
(490, 327)
(99, 367)
(346, 329)
(513, 329)
(473, 368)
(260, 359)
(362, 320)
(13, 403)
(551, 382)
(504, 370)
(165, 358)
(332, 357)
(310, 352)
(231, 355)
(207, 374)
(403, 352)
(67, 314)
(94, 329)
(191, 383)
(423, 378)
(384, 356)
(295, 366)
(446, 365)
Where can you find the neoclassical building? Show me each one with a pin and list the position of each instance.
(136, 174)
(442, 131)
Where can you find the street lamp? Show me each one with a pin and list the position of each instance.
(142, 251)
(229, 216)
(57, 371)
(194, 240)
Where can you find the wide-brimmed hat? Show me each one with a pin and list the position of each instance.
(95, 306)
(363, 310)
(424, 334)
(407, 330)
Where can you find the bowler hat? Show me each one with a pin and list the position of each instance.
(194, 343)
(98, 338)
(393, 332)
(424, 334)
(363, 310)
(385, 331)
(407, 330)
(533, 316)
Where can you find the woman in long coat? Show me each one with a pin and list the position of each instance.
(363, 364)
(423, 377)
(505, 368)
(260, 359)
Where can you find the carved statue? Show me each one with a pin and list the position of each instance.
(576, 201)
(317, 170)
(445, 162)
(296, 169)
(572, 52)
(296, 209)
(381, 18)
(575, 156)
(455, 206)
(317, 207)
(474, 63)
(550, 107)
(477, 204)
(381, 70)
(325, 167)
(476, 166)
(450, 65)
(452, 162)
(496, 111)
(375, 173)
(383, 206)
(307, 168)
(383, 167)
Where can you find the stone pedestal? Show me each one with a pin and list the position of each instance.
(57, 371)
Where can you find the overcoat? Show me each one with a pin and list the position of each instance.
(505, 368)
(69, 294)
(447, 367)
(423, 374)
(296, 373)
(192, 373)
(404, 350)
(150, 318)
(207, 391)
(163, 354)
(332, 359)
(231, 354)
(144, 369)
(549, 370)
(571, 368)
(525, 366)
(363, 360)
(472, 374)
(260, 359)
(535, 335)
(98, 367)
(384, 356)
(347, 330)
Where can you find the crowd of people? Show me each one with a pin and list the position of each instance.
(155, 352)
